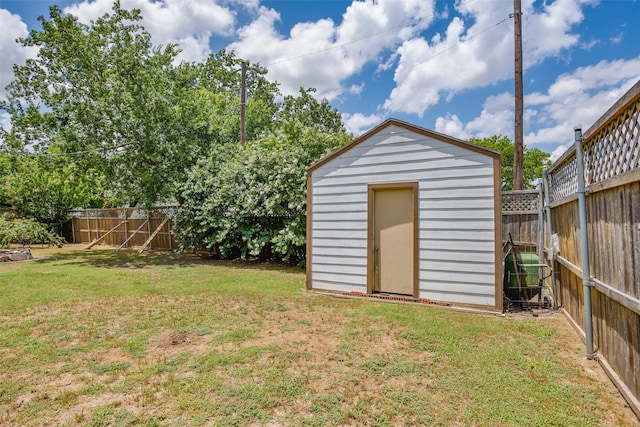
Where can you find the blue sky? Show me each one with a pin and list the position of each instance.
(443, 65)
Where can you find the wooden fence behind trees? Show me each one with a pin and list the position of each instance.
(134, 226)
(612, 179)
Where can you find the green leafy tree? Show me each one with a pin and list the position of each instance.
(217, 82)
(311, 113)
(107, 99)
(534, 160)
(5, 170)
(103, 96)
(46, 191)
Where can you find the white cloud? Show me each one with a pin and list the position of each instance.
(477, 50)
(501, 102)
(580, 97)
(390, 62)
(5, 121)
(193, 48)
(357, 124)
(11, 52)
(448, 63)
(558, 152)
(323, 53)
(617, 39)
(189, 23)
(558, 133)
(548, 31)
(536, 98)
(496, 118)
(492, 123)
(356, 89)
(451, 125)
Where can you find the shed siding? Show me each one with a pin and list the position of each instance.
(456, 215)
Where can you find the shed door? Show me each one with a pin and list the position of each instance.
(394, 240)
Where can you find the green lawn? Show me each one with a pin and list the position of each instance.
(105, 338)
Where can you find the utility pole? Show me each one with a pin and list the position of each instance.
(518, 132)
(243, 103)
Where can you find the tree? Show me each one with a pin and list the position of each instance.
(309, 112)
(534, 160)
(5, 170)
(46, 190)
(208, 103)
(104, 97)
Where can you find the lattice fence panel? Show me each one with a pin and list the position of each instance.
(614, 149)
(564, 179)
(520, 201)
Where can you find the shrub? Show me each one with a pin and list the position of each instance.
(26, 232)
(254, 202)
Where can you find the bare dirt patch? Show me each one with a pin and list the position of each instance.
(80, 410)
(171, 343)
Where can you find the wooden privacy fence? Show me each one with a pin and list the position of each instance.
(520, 210)
(124, 227)
(612, 178)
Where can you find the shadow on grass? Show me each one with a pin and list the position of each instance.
(130, 258)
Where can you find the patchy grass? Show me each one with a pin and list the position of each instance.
(105, 338)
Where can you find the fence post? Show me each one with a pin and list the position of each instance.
(88, 226)
(148, 225)
(584, 238)
(540, 236)
(552, 251)
(170, 235)
(98, 227)
(126, 225)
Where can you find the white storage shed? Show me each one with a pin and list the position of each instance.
(410, 213)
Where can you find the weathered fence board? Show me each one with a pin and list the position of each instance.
(619, 212)
(571, 293)
(617, 331)
(522, 227)
(566, 225)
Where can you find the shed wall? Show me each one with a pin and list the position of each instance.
(456, 215)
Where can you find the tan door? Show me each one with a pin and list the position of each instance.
(394, 240)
